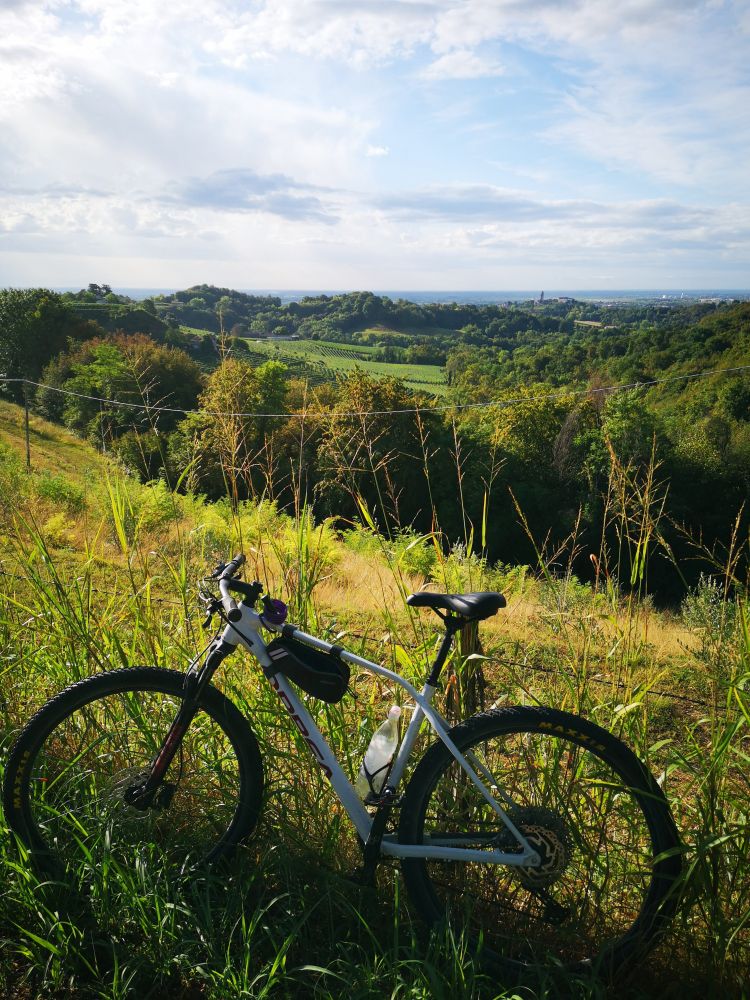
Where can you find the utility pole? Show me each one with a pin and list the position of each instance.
(26, 422)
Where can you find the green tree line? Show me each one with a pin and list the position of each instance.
(546, 446)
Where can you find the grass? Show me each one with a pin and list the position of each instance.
(318, 361)
(53, 449)
(113, 586)
(321, 360)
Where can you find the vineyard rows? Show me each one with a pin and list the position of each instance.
(317, 363)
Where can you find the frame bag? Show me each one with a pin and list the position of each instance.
(323, 675)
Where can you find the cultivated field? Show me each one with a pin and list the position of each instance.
(319, 361)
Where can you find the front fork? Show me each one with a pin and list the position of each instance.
(153, 791)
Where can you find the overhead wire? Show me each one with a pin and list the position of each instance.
(448, 407)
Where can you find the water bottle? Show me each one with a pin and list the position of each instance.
(378, 756)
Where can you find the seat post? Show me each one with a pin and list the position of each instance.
(452, 625)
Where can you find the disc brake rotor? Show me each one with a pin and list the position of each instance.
(547, 835)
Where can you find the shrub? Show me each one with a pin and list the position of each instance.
(415, 553)
(363, 541)
(12, 478)
(61, 492)
(58, 531)
(707, 612)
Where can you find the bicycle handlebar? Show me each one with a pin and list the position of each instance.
(231, 607)
(224, 573)
(227, 570)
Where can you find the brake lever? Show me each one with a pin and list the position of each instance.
(211, 610)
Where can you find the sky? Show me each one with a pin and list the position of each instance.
(375, 144)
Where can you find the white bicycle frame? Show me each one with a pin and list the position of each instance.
(245, 632)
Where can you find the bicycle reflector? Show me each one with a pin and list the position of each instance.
(274, 612)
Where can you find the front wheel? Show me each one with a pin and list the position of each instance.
(69, 781)
(609, 848)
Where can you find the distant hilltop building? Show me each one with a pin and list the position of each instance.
(541, 298)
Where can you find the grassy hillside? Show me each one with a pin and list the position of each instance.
(319, 361)
(53, 448)
(110, 571)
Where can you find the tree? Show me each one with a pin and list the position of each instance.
(630, 426)
(234, 448)
(372, 451)
(35, 325)
(120, 369)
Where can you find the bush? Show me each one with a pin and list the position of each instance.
(58, 531)
(416, 554)
(61, 492)
(462, 572)
(567, 594)
(363, 541)
(156, 505)
(13, 478)
(707, 611)
(209, 536)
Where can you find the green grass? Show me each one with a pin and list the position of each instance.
(319, 361)
(196, 331)
(283, 920)
(53, 448)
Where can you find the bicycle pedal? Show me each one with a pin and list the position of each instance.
(164, 796)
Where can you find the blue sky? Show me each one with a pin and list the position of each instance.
(400, 144)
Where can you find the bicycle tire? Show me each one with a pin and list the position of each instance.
(66, 775)
(610, 848)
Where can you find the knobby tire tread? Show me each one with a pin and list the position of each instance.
(663, 896)
(40, 726)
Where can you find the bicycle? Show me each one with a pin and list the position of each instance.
(535, 832)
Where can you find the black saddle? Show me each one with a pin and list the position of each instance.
(473, 607)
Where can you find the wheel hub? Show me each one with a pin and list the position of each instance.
(159, 798)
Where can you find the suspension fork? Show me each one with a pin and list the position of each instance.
(142, 795)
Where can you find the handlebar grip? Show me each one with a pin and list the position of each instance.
(227, 572)
(232, 609)
(232, 567)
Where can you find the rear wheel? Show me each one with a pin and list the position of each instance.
(71, 778)
(584, 802)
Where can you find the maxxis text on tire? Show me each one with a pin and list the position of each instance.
(70, 767)
(611, 849)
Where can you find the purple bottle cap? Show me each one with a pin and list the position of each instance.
(275, 612)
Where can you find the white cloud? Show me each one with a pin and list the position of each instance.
(586, 24)
(138, 126)
(461, 64)
(359, 33)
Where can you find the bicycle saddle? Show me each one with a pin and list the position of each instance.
(470, 606)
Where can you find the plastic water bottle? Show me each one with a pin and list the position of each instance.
(378, 756)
